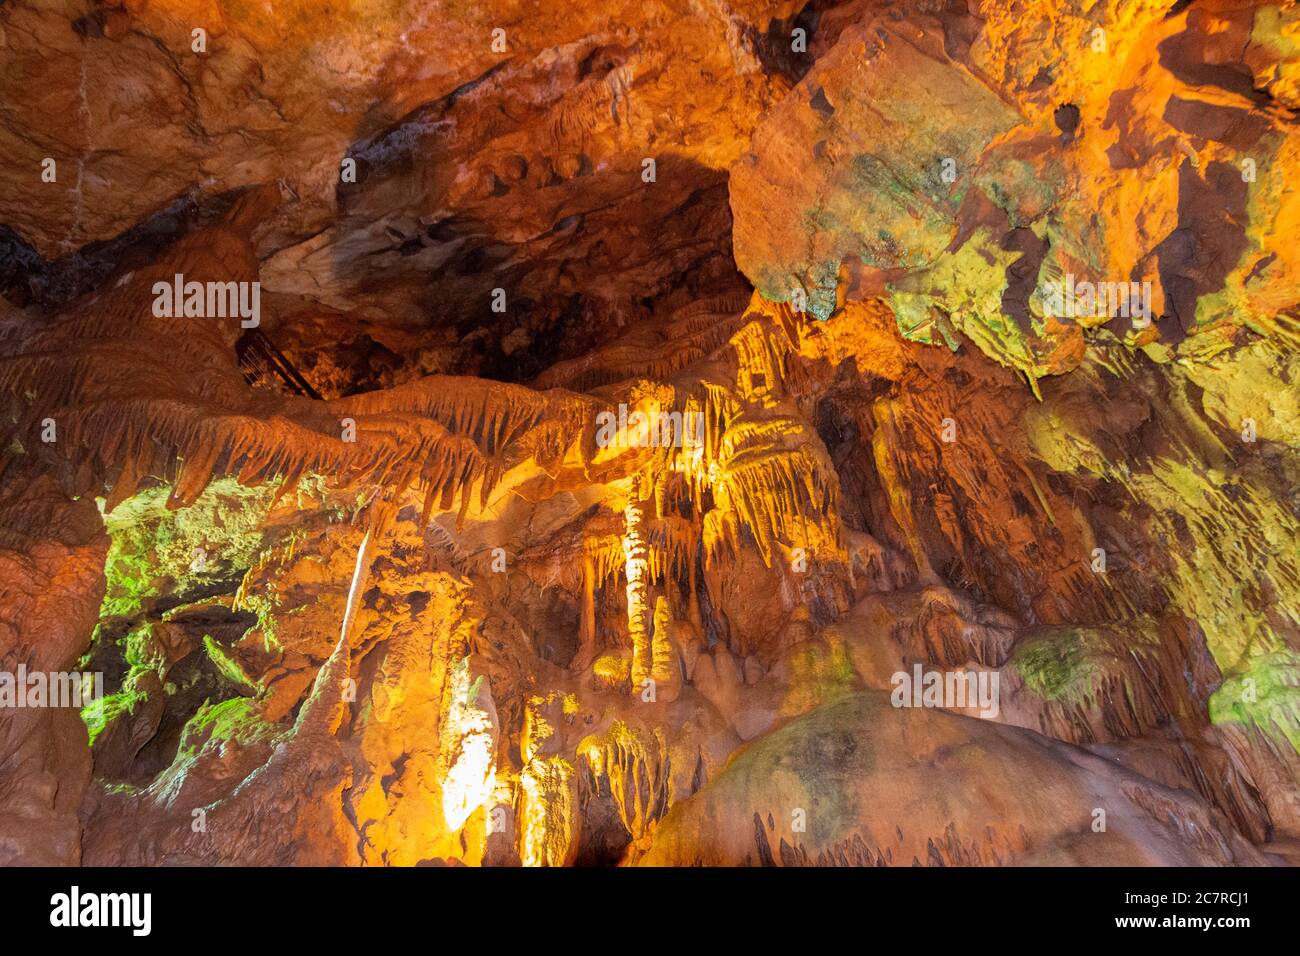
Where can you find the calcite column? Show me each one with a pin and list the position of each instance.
(636, 567)
(587, 625)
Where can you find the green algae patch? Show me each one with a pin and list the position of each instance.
(155, 551)
(1061, 445)
(99, 714)
(812, 756)
(1277, 29)
(1021, 189)
(1264, 696)
(1057, 667)
(237, 721)
(142, 658)
(160, 557)
(229, 667)
(819, 670)
(966, 288)
(265, 605)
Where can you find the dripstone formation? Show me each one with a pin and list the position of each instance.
(751, 433)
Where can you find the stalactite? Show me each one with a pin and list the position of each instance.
(634, 767)
(587, 622)
(606, 555)
(721, 537)
(671, 543)
(761, 361)
(448, 436)
(782, 495)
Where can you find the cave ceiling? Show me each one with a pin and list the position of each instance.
(661, 433)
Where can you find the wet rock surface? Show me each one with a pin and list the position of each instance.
(661, 439)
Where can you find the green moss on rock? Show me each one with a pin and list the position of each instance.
(1263, 696)
(1056, 667)
(156, 551)
(237, 720)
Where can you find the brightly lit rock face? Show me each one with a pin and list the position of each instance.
(630, 407)
(468, 737)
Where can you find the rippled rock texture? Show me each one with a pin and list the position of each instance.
(856, 433)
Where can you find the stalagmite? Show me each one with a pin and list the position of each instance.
(548, 817)
(664, 668)
(469, 733)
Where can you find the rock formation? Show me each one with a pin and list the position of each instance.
(852, 433)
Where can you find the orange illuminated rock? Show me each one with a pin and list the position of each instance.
(611, 414)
